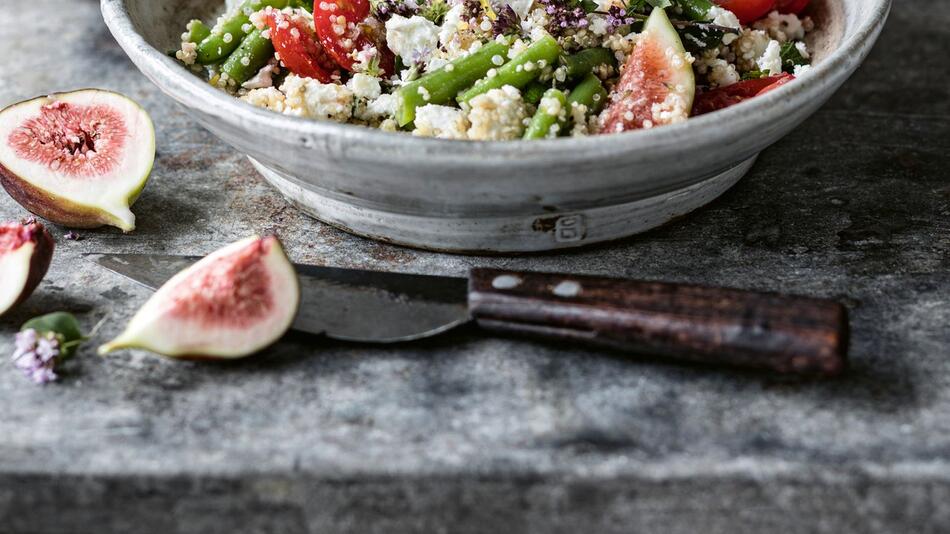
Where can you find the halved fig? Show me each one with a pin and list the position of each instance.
(79, 159)
(657, 86)
(230, 304)
(25, 254)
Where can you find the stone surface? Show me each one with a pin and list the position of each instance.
(467, 433)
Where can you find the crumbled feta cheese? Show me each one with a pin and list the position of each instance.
(413, 39)
(771, 60)
(782, 28)
(723, 17)
(267, 98)
(264, 77)
(306, 97)
(497, 115)
(722, 73)
(364, 86)
(801, 70)
(749, 47)
(598, 24)
(188, 53)
(440, 121)
(802, 49)
(520, 7)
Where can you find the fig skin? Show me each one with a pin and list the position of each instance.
(40, 260)
(54, 208)
(61, 210)
(232, 304)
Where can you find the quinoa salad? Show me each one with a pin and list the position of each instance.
(496, 70)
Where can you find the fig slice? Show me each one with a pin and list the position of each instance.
(25, 254)
(78, 159)
(658, 84)
(230, 304)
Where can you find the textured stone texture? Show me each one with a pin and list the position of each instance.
(466, 433)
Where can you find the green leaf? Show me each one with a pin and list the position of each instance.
(660, 3)
(791, 57)
(63, 325)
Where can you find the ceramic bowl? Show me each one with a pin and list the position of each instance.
(496, 197)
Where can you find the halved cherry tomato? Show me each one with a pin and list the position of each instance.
(723, 97)
(297, 46)
(339, 25)
(748, 11)
(792, 6)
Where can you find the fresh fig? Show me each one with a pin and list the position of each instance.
(78, 159)
(230, 304)
(25, 254)
(658, 84)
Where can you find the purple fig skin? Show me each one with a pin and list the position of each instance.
(50, 207)
(39, 261)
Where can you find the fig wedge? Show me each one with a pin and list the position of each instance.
(78, 159)
(230, 304)
(658, 84)
(25, 254)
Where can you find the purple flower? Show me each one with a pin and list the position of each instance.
(617, 17)
(563, 17)
(507, 21)
(36, 355)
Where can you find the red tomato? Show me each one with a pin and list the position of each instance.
(748, 11)
(792, 6)
(723, 97)
(339, 25)
(297, 46)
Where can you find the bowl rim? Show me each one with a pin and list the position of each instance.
(191, 91)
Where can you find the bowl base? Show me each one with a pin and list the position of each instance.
(508, 234)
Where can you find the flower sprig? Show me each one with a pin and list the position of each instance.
(44, 343)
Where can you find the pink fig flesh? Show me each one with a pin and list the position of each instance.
(25, 254)
(230, 304)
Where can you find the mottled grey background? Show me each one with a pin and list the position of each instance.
(467, 433)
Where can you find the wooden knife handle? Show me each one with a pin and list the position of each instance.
(781, 333)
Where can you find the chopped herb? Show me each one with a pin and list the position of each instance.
(791, 57)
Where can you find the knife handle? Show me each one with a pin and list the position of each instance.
(768, 331)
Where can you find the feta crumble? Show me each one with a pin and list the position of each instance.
(441, 121)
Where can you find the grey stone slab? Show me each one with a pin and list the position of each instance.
(468, 433)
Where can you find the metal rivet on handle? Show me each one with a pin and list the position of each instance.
(568, 288)
(506, 281)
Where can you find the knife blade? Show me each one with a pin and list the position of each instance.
(683, 322)
(345, 304)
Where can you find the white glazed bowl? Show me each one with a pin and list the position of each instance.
(513, 196)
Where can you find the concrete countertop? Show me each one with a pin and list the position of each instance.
(469, 433)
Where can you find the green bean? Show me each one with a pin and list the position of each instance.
(227, 35)
(590, 93)
(255, 51)
(520, 71)
(533, 92)
(551, 114)
(196, 31)
(695, 9)
(584, 62)
(442, 85)
(306, 4)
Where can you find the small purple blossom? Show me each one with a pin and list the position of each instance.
(507, 21)
(37, 355)
(617, 17)
(563, 17)
(72, 236)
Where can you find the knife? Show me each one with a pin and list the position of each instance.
(767, 331)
